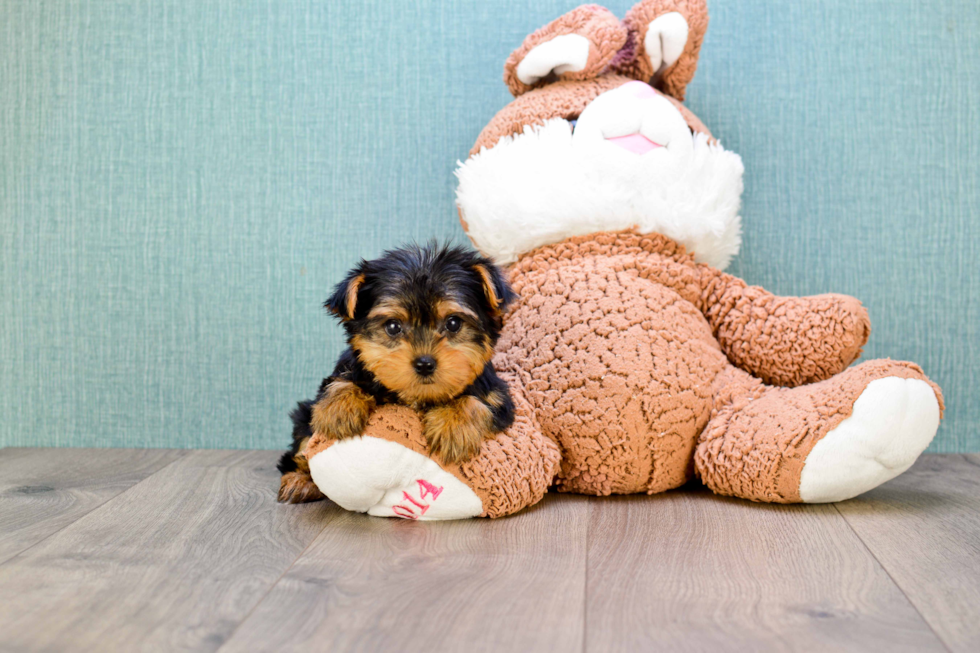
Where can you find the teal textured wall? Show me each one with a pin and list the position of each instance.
(181, 181)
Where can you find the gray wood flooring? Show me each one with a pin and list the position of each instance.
(150, 550)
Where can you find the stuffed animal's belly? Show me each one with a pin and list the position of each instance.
(619, 370)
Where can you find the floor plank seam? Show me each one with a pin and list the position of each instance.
(272, 586)
(181, 453)
(901, 589)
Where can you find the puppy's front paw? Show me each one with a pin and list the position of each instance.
(298, 487)
(342, 412)
(456, 430)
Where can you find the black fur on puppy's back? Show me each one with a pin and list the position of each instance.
(300, 416)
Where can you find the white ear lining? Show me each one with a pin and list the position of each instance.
(665, 40)
(562, 54)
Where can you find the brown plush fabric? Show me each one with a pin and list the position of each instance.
(605, 33)
(566, 99)
(512, 471)
(759, 437)
(674, 80)
(515, 469)
(616, 358)
(614, 338)
(783, 340)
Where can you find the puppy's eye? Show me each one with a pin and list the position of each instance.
(393, 328)
(453, 324)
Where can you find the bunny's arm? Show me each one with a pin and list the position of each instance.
(787, 341)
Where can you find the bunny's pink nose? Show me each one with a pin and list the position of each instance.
(635, 143)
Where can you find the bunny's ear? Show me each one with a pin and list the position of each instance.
(666, 36)
(578, 45)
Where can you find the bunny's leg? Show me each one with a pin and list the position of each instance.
(823, 442)
(389, 472)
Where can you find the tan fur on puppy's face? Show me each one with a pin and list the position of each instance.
(460, 357)
(343, 411)
(456, 430)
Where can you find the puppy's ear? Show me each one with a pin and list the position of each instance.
(495, 287)
(343, 302)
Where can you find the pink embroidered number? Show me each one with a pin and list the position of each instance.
(412, 508)
(428, 488)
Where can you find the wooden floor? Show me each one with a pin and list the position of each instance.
(124, 550)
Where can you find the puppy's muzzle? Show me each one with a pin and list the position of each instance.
(424, 365)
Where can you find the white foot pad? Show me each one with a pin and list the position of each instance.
(385, 479)
(893, 421)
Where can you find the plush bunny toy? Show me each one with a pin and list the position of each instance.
(635, 363)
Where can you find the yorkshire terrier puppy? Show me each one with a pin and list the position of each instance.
(421, 324)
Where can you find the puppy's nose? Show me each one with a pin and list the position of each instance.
(424, 365)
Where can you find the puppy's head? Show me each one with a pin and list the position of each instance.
(423, 320)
